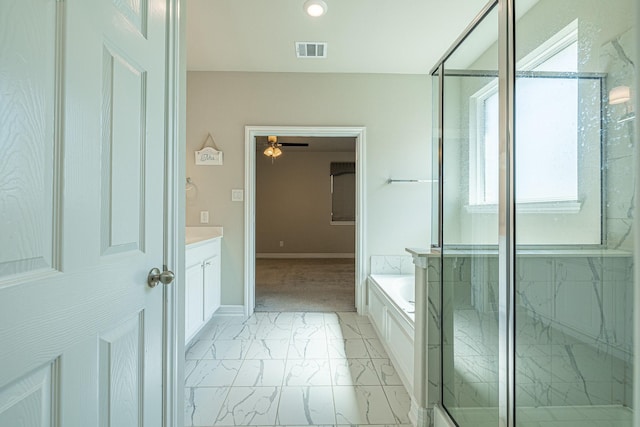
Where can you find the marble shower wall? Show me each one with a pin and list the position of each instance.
(574, 330)
(617, 60)
(392, 264)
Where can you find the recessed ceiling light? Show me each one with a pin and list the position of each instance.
(315, 8)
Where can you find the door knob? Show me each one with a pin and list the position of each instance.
(156, 276)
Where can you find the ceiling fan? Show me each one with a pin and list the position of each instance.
(273, 149)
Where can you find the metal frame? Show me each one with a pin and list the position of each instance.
(506, 215)
(506, 72)
(472, 26)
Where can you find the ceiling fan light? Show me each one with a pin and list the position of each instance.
(277, 152)
(315, 8)
(268, 151)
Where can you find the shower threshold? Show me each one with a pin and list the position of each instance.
(550, 416)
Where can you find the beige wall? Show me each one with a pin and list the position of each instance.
(396, 110)
(293, 204)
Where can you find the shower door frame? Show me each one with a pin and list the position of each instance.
(506, 203)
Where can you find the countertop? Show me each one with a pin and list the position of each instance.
(200, 234)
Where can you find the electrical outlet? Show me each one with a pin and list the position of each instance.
(282, 243)
(237, 195)
(204, 217)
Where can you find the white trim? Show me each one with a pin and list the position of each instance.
(230, 310)
(342, 223)
(562, 206)
(174, 206)
(251, 132)
(304, 255)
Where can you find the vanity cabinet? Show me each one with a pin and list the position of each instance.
(202, 284)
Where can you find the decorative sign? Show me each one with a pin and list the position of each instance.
(209, 156)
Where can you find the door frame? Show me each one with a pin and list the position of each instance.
(174, 215)
(250, 134)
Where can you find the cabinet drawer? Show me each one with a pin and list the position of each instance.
(199, 251)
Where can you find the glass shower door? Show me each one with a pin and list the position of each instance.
(574, 186)
(470, 228)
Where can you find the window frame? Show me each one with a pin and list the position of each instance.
(565, 38)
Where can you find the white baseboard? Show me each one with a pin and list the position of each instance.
(304, 255)
(230, 310)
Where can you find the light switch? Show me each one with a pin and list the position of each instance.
(237, 195)
(204, 217)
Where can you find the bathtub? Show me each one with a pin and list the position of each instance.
(392, 313)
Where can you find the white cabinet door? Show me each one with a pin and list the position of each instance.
(211, 285)
(82, 137)
(193, 299)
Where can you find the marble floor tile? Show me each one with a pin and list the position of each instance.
(189, 366)
(308, 318)
(353, 372)
(260, 372)
(202, 405)
(218, 350)
(375, 348)
(237, 331)
(216, 327)
(306, 406)
(277, 317)
(268, 349)
(213, 373)
(291, 369)
(362, 405)
(367, 330)
(308, 332)
(400, 403)
(273, 331)
(308, 349)
(347, 349)
(386, 372)
(249, 406)
(315, 372)
(331, 318)
(343, 331)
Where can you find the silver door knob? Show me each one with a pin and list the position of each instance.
(156, 276)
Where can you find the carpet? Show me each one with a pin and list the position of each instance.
(305, 285)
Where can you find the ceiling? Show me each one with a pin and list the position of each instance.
(316, 143)
(363, 36)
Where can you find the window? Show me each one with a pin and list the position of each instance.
(343, 193)
(547, 130)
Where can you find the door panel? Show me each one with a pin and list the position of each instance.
(82, 98)
(27, 133)
(28, 401)
(123, 134)
(121, 361)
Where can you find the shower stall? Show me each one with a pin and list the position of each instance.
(534, 215)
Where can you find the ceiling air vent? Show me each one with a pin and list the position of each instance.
(311, 49)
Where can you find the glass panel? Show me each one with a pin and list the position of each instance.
(470, 231)
(574, 187)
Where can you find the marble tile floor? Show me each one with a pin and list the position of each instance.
(292, 369)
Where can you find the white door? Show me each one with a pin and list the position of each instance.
(82, 102)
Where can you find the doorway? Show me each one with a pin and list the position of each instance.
(305, 224)
(252, 135)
